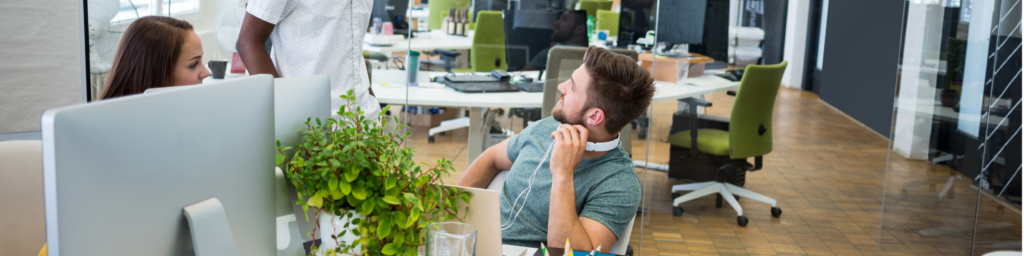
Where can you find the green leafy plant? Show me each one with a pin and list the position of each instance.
(352, 164)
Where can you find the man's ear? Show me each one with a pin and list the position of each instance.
(594, 117)
(580, 30)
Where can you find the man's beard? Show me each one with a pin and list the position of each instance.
(559, 37)
(561, 118)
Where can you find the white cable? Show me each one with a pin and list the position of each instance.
(512, 219)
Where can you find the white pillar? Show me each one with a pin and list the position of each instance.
(917, 85)
(795, 49)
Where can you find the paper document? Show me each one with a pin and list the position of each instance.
(707, 80)
(512, 250)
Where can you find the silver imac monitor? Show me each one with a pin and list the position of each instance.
(118, 173)
(297, 99)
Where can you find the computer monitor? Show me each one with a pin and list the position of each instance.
(297, 99)
(681, 21)
(393, 11)
(117, 173)
(527, 33)
(634, 21)
(715, 43)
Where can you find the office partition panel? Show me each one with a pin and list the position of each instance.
(953, 174)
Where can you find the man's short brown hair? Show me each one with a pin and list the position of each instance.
(619, 87)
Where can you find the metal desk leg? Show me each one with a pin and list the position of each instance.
(475, 142)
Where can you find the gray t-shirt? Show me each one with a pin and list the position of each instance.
(607, 188)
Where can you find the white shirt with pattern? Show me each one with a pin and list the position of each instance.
(314, 37)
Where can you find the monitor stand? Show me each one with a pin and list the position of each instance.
(211, 234)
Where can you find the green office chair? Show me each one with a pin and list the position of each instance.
(749, 135)
(607, 20)
(439, 9)
(592, 6)
(488, 50)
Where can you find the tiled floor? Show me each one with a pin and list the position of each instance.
(827, 173)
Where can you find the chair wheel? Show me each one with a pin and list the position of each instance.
(776, 212)
(742, 221)
(430, 139)
(677, 211)
(442, 133)
(676, 194)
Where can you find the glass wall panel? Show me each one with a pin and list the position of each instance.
(536, 45)
(952, 183)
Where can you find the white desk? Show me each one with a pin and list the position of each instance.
(388, 86)
(424, 41)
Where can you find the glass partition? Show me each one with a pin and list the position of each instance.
(952, 181)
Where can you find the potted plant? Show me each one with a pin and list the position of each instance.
(360, 179)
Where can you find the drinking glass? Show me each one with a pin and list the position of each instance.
(682, 70)
(451, 239)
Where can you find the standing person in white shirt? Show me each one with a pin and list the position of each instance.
(310, 37)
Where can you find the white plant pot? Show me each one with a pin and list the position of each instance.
(330, 224)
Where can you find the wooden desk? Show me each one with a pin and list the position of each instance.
(664, 68)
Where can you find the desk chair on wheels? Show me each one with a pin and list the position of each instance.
(749, 135)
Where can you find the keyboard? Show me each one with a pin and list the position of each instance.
(531, 86)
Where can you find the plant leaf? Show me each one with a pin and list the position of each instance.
(336, 194)
(413, 216)
(384, 228)
(315, 200)
(368, 206)
(392, 200)
(390, 249)
(465, 197)
(409, 197)
(359, 193)
(345, 187)
(278, 159)
(351, 174)
(389, 182)
(332, 183)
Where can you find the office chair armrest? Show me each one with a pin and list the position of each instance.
(696, 101)
(731, 93)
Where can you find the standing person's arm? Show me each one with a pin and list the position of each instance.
(251, 46)
(563, 222)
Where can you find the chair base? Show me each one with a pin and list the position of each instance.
(727, 191)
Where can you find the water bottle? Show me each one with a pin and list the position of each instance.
(412, 65)
(590, 30)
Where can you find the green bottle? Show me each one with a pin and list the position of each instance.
(590, 30)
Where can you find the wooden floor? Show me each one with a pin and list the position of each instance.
(827, 173)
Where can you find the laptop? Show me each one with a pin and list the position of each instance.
(484, 214)
(481, 87)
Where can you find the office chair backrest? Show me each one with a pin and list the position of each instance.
(607, 20)
(488, 50)
(591, 6)
(750, 124)
(439, 10)
(562, 60)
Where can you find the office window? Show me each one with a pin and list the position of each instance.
(133, 9)
(965, 11)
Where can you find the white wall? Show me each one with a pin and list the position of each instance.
(40, 62)
(795, 48)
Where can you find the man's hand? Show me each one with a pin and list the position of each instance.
(570, 144)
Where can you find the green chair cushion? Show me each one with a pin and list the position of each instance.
(711, 141)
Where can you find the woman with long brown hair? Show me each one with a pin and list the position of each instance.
(156, 51)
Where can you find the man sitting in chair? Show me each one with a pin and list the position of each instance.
(588, 192)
